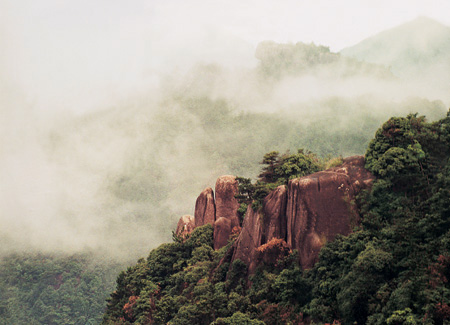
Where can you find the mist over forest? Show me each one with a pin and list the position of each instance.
(117, 179)
(114, 118)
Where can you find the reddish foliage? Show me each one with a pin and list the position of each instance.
(277, 314)
(439, 271)
(128, 307)
(157, 291)
(235, 232)
(59, 281)
(274, 244)
(274, 251)
(269, 314)
(442, 311)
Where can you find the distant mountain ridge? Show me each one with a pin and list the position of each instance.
(414, 47)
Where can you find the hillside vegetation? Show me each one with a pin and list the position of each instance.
(54, 289)
(393, 268)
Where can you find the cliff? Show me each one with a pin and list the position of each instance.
(304, 215)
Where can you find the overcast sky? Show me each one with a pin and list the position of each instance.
(82, 54)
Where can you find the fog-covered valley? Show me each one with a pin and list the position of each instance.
(117, 179)
(110, 128)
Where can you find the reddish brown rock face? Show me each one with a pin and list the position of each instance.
(205, 208)
(321, 205)
(318, 210)
(249, 239)
(185, 225)
(260, 227)
(274, 211)
(304, 216)
(226, 203)
(307, 214)
(222, 231)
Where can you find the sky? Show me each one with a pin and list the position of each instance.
(81, 55)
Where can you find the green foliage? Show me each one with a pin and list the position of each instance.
(291, 287)
(278, 171)
(334, 162)
(402, 317)
(292, 166)
(393, 269)
(394, 272)
(236, 275)
(268, 173)
(186, 282)
(238, 318)
(201, 236)
(54, 289)
(281, 169)
(252, 194)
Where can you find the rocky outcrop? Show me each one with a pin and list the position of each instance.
(274, 214)
(249, 239)
(307, 214)
(205, 208)
(219, 211)
(260, 227)
(322, 205)
(185, 225)
(222, 232)
(226, 203)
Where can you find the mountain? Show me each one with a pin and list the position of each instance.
(414, 46)
(384, 253)
(277, 60)
(417, 51)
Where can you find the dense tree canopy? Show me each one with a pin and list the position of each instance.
(393, 269)
(54, 289)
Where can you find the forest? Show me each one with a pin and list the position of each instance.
(392, 269)
(54, 288)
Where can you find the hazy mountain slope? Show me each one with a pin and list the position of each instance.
(118, 180)
(413, 46)
(418, 50)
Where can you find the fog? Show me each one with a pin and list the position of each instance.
(114, 118)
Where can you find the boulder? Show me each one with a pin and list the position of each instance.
(249, 239)
(185, 225)
(322, 205)
(205, 208)
(226, 203)
(274, 212)
(222, 231)
(260, 227)
(304, 216)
